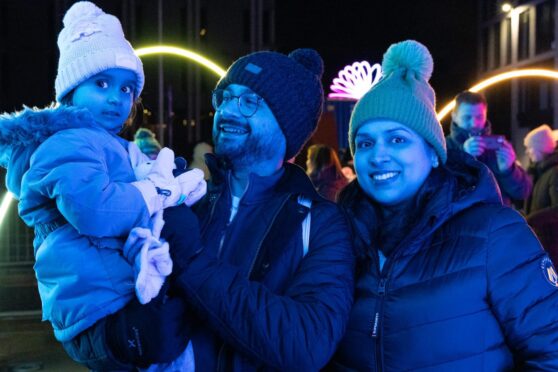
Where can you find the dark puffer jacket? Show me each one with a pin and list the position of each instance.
(259, 303)
(469, 289)
(545, 180)
(542, 206)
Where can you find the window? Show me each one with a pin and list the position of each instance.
(508, 41)
(523, 37)
(544, 27)
(535, 103)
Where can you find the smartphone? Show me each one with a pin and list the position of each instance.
(493, 142)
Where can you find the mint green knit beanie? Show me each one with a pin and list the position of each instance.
(403, 95)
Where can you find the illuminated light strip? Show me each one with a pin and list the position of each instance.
(4, 206)
(543, 73)
(165, 49)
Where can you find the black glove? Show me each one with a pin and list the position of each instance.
(182, 232)
(145, 334)
(181, 166)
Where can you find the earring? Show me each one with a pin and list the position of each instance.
(435, 162)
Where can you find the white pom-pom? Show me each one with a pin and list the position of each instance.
(411, 55)
(80, 11)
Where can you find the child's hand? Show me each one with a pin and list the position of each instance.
(151, 258)
(192, 185)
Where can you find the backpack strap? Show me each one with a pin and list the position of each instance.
(305, 224)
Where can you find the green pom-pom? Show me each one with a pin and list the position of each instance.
(411, 55)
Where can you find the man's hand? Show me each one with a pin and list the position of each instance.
(474, 146)
(505, 156)
(145, 334)
(182, 232)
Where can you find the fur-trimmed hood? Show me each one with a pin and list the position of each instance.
(23, 131)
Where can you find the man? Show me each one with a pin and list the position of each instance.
(468, 132)
(261, 293)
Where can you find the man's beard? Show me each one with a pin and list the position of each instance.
(247, 153)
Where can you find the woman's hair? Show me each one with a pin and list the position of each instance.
(320, 157)
(136, 107)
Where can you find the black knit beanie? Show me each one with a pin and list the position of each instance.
(290, 85)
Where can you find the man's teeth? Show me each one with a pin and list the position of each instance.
(384, 176)
(233, 129)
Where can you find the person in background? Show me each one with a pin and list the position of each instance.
(147, 143)
(541, 208)
(324, 169)
(469, 132)
(198, 158)
(448, 279)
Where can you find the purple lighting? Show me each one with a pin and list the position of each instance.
(355, 80)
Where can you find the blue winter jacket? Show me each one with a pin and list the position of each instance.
(72, 180)
(257, 302)
(468, 289)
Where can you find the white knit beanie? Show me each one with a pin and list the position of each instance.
(92, 42)
(541, 139)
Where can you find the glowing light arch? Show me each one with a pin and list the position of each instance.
(533, 72)
(181, 52)
(147, 51)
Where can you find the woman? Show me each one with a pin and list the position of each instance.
(324, 169)
(448, 279)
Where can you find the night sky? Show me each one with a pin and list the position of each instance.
(342, 31)
(346, 31)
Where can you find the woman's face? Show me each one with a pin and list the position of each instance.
(391, 161)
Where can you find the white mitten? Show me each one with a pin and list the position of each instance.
(152, 262)
(160, 189)
(192, 185)
(142, 170)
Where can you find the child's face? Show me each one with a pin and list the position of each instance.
(109, 97)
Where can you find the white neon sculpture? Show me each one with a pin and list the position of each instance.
(355, 80)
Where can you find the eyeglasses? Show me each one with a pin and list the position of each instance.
(248, 103)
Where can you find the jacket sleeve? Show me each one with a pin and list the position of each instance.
(72, 170)
(514, 183)
(296, 330)
(522, 294)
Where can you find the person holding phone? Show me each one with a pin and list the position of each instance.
(471, 132)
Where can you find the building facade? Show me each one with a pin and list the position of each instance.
(521, 34)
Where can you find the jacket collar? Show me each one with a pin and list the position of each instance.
(542, 166)
(460, 184)
(289, 179)
(22, 132)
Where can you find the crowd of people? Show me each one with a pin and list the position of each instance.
(416, 262)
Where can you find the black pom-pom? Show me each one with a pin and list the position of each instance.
(310, 59)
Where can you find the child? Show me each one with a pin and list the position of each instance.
(74, 178)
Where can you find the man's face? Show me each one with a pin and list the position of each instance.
(470, 117)
(246, 141)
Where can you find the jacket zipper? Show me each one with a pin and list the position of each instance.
(221, 349)
(264, 235)
(376, 327)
